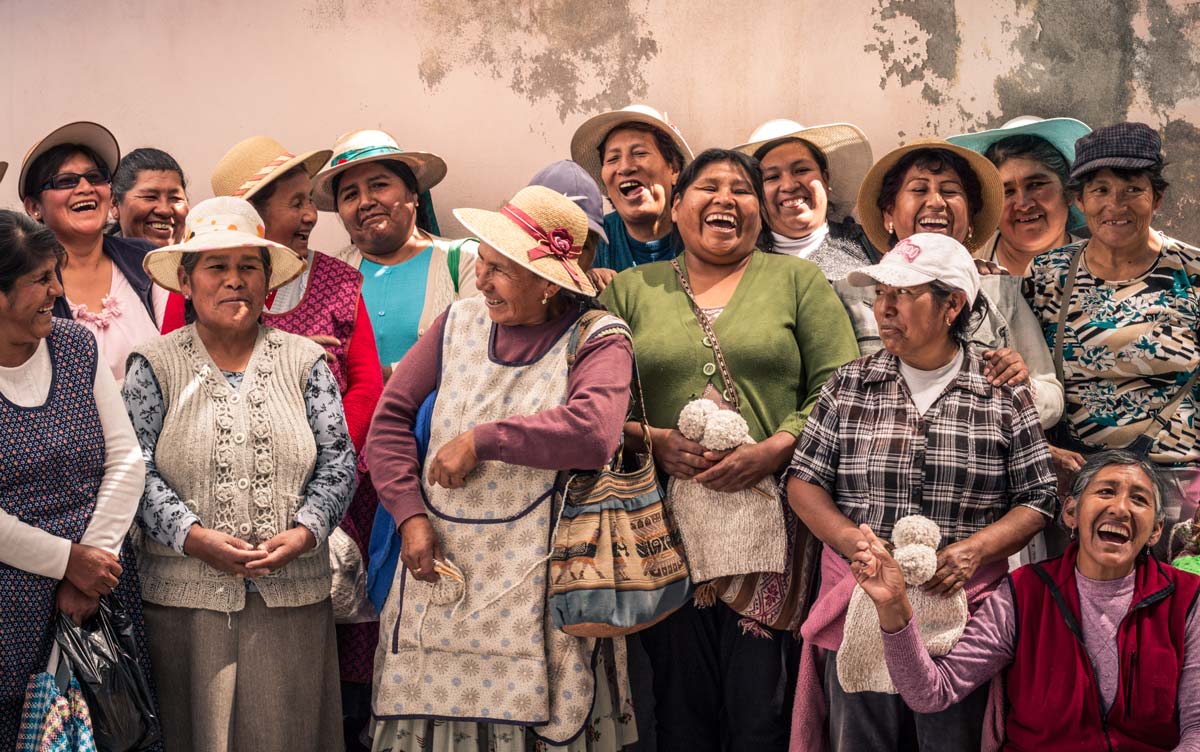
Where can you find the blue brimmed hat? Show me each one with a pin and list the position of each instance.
(361, 147)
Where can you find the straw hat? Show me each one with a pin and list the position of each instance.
(983, 224)
(540, 229)
(845, 147)
(86, 133)
(254, 163)
(216, 224)
(361, 147)
(585, 144)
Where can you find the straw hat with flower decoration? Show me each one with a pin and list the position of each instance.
(217, 224)
(585, 144)
(84, 132)
(540, 229)
(254, 163)
(365, 146)
(983, 223)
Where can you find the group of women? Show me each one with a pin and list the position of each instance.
(962, 329)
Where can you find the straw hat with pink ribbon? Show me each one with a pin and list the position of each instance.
(540, 229)
(252, 164)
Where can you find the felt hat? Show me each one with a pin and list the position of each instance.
(255, 162)
(572, 181)
(983, 223)
(585, 144)
(540, 229)
(844, 145)
(216, 224)
(362, 147)
(83, 132)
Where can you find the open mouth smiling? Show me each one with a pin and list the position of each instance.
(85, 206)
(630, 188)
(934, 224)
(1114, 532)
(722, 221)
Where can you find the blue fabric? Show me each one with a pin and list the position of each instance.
(50, 723)
(383, 550)
(623, 252)
(394, 296)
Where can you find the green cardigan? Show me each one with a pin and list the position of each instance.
(783, 333)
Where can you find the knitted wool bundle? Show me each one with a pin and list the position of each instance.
(860, 662)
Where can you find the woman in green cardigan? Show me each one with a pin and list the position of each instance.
(720, 683)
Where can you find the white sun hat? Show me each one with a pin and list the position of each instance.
(920, 259)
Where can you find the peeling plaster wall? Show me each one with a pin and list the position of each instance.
(498, 86)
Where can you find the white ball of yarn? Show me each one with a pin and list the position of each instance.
(724, 430)
(694, 416)
(916, 530)
(917, 562)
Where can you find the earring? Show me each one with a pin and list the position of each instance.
(970, 232)
(891, 228)
(546, 298)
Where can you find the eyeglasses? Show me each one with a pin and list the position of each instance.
(67, 180)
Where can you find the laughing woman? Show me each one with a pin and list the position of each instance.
(150, 197)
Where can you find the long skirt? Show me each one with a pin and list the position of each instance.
(254, 680)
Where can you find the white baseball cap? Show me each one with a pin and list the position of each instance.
(920, 259)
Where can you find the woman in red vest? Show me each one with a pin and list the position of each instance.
(1099, 648)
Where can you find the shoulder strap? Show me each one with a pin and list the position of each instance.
(453, 253)
(1064, 302)
(590, 324)
(730, 394)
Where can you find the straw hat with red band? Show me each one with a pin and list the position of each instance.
(252, 164)
(585, 144)
(540, 229)
(362, 147)
(85, 133)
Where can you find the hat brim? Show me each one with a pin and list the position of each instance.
(312, 161)
(162, 264)
(427, 167)
(845, 147)
(983, 224)
(585, 144)
(890, 274)
(1122, 163)
(92, 135)
(513, 243)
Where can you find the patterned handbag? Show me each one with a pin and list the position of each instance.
(54, 720)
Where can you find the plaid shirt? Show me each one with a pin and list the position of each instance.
(977, 452)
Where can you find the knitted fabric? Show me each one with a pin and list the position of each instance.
(239, 459)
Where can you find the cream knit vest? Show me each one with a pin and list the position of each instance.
(239, 458)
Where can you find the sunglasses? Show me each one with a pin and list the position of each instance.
(67, 180)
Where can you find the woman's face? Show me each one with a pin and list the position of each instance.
(796, 189)
(289, 214)
(25, 310)
(637, 176)
(74, 214)
(154, 209)
(718, 215)
(930, 202)
(1115, 518)
(1035, 212)
(912, 321)
(1119, 211)
(227, 288)
(377, 208)
(513, 294)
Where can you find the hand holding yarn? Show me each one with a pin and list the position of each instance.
(739, 463)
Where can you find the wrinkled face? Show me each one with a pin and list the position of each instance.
(25, 315)
(377, 208)
(637, 176)
(911, 319)
(718, 215)
(289, 214)
(1035, 212)
(930, 202)
(1118, 211)
(154, 209)
(513, 293)
(1115, 518)
(796, 189)
(74, 213)
(227, 288)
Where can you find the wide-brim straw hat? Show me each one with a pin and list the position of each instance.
(1060, 132)
(585, 144)
(362, 147)
(84, 132)
(845, 147)
(217, 224)
(540, 229)
(983, 223)
(254, 163)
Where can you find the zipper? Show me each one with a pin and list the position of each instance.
(1129, 682)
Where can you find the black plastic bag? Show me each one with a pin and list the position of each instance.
(103, 656)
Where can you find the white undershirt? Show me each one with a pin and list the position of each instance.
(926, 386)
(289, 296)
(801, 247)
(32, 549)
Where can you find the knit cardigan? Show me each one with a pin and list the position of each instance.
(783, 333)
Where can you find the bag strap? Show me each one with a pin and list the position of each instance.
(453, 254)
(730, 392)
(1068, 288)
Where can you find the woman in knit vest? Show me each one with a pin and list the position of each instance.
(1099, 648)
(249, 467)
(72, 469)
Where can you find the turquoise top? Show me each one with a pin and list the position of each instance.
(623, 252)
(394, 296)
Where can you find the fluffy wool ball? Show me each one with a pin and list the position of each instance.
(724, 430)
(916, 530)
(694, 416)
(917, 562)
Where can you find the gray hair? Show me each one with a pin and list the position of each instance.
(1121, 457)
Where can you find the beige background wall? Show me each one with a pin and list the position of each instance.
(498, 86)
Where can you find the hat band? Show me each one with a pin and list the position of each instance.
(263, 173)
(558, 243)
(367, 151)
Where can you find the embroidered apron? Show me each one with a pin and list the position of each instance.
(488, 652)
